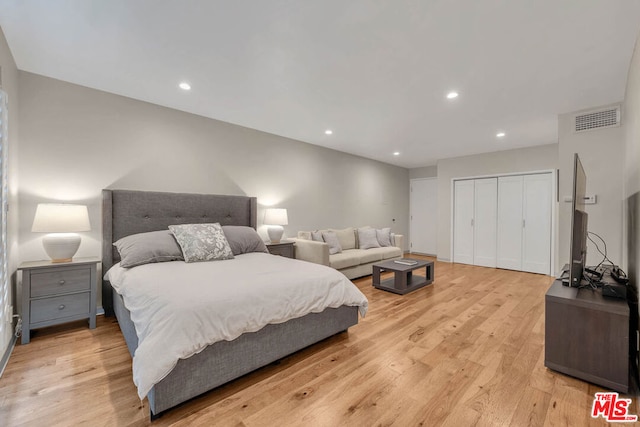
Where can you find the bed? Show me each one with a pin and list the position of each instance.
(127, 213)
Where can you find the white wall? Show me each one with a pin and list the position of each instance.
(75, 141)
(631, 110)
(543, 157)
(425, 172)
(10, 86)
(601, 155)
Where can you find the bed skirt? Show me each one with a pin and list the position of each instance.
(224, 361)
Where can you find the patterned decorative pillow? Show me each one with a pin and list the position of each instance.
(316, 236)
(332, 240)
(202, 242)
(384, 237)
(367, 237)
(304, 235)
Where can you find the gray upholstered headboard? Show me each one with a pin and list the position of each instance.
(126, 212)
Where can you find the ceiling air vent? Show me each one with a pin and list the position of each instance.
(598, 119)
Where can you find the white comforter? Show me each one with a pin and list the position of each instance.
(179, 308)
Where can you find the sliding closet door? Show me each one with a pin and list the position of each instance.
(485, 222)
(463, 194)
(510, 222)
(536, 240)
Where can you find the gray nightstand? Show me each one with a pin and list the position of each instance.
(54, 293)
(284, 248)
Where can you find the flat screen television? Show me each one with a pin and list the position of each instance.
(578, 255)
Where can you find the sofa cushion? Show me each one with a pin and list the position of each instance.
(390, 252)
(345, 259)
(370, 255)
(347, 238)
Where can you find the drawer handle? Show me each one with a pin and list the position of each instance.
(61, 307)
(61, 282)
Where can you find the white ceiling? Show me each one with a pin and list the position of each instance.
(375, 72)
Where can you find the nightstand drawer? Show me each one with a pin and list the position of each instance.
(55, 282)
(46, 309)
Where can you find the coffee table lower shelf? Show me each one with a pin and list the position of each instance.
(403, 281)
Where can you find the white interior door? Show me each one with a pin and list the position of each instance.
(463, 209)
(485, 222)
(536, 245)
(510, 224)
(424, 216)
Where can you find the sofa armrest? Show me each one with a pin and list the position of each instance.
(312, 251)
(398, 241)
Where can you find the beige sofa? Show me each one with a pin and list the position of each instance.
(351, 261)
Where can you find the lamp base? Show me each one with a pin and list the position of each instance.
(275, 233)
(61, 247)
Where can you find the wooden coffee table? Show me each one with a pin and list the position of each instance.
(403, 280)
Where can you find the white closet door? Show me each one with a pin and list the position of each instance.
(424, 216)
(463, 221)
(510, 224)
(536, 245)
(485, 222)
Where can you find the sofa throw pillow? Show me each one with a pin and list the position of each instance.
(332, 240)
(304, 235)
(316, 236)
(367, 238)
(346, 237)
(202, 242)
(145, 248)
(243, 240)
(384, 237)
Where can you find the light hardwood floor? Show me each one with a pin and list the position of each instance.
(467, 350)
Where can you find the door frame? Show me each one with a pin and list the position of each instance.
(432, 178)
(554, 208)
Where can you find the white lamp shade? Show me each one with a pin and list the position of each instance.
(63, 221)
(60, 218)
(275, 216)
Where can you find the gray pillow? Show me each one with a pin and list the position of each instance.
(367, 237)
(243, 239)
(316, 236)
(202, 242)
(384, 237)
(332, 240)
(145, 248)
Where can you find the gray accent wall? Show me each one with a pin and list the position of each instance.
(75, 141)
(543, 157)
(10, 86)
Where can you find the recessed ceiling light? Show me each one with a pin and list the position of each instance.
(452, 95)
(396, 153)
(500, 134)
(184, 86)
(328, 132)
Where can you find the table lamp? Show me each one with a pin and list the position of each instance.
(275, 219)
(62, 221)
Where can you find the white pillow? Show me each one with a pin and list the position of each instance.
(332, 240)
(384, 237)
(367, 238)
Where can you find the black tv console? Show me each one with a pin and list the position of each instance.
(588, 336)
